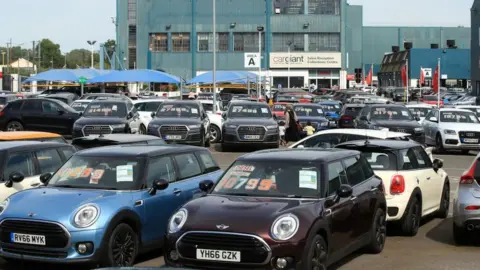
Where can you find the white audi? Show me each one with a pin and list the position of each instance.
(452, 129)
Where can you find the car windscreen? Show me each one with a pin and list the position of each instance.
(279, 107)
(64, 100)
(107, 109)
(178, 110)
(379, 159)
(390, 113)
(308, 110)
(331, 107)
(255, 110)
(208, 107)
(420, 112)
(270, 179)
(99, 173)
(430, 98)
(458, 117)
(79, 106)
(205, 96)
(476, 111)
(319, 99)
(352, 111)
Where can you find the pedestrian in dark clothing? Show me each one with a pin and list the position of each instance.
(291, 124)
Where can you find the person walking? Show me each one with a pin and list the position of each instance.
(291, 124)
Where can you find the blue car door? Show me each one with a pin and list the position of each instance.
(161, 205)
(190, 175)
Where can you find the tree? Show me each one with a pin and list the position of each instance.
(110, 47)
(15, 53)
(50, 54)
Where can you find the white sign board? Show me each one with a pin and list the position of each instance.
(252, 60)
(444, 76)
(427, 72)
(305, 60)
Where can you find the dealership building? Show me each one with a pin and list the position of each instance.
(305, 42)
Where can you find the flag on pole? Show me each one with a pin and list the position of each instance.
(369, 78)
(435, 81)
(404, 75)
(422, 77)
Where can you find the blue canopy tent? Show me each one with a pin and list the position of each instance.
(70, 75)
(136, 76)
(240, 77)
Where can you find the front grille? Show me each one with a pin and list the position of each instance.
(252, 249)
(173, 131)
(34, 252)
(96, 130)
(404, 130)
(469, 135)
(244, 131)
(55, 235)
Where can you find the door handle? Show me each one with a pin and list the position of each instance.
(177, 191)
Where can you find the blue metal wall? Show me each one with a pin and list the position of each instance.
(455, 63)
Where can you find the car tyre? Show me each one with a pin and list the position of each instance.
(206, 141)
(143, 130)
(439, 144)
(317, 255)
(465, 152)
(378, 232)
(122, 247)
(444, 201)
(411, 221)
(215, 134)
(460, 236)
(14, 126)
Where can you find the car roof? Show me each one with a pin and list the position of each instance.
(84, 100)
(247, 102)
(419, 105)
(25, 135)
(138, 150)
(149, 100)
(387, 144)
(26, 145)
(306, 104)
(387, 105)
(298, 154)
(466, 106)
(117, 100)
(354, 105)
(61, 95)
(454, 110)
(173, 101)
(333, 102)
(117, 138)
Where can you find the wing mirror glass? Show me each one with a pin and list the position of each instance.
(437, 164)
(345, 191)
(15, 177)
(45, 177)
(160, 184)
(153, 114)
(205, 185)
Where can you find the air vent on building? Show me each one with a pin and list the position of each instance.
(407, 45)
(395, 49)
(451, 44)
(434, 46)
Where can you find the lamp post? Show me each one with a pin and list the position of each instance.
(91, 43)
(260, 30)
(289, 43)
(214, 55)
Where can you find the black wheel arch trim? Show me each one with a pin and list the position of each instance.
(320, 227)
(128, 217)
(416, 191)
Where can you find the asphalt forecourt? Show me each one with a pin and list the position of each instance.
(432, 248)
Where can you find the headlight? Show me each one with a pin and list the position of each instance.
(324, 124)
(153, 125)
(285, 227)
(118, 126)
(231, 126)
(195, 126)
(86, 216)
(4, 205)
(449, 132)
(272, 127)
(418, 129)
(177, 220)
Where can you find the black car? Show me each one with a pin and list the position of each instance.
(6, 98)
(66, 98)
(106, 117)
(348, 114)
(249, 123)
(313, 113)
(392, 117)
(92, 141)
(181, 121)
(38, 114)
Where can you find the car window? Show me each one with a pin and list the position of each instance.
(160, 168)
(352, 137)
(323, 141)
(208, 161)
(20, 162)
(156, 142)
(408, 160)
(366, 168)
(151, 106)
(422, 158)
(67, 152)
(49, 107)
(354, 171)
(187, 165)
(140, 106)
(336, 177)
(14, 106)
(32, 105)
(49, 160)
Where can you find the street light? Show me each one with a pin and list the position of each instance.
(260, 30)
(214, 71)
(91, 43)
(289, 43)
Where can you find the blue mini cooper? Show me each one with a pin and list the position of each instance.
(105, 205)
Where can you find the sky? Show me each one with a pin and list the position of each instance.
(71, 23)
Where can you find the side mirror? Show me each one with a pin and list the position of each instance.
(275, 116)
(60, 112)
(363, 118)
(417, 118)
(437, 164)
(14, 177)
(80, 113)
(345, 191)
(45, 177)
(205, 185)
(130, 115)
(433, 119)
(153, 114)
(158, 185)
(224, 116)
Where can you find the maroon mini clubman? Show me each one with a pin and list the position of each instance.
(281, 209)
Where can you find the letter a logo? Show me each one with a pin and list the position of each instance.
(251, 62)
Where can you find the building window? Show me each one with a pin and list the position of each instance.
(205, 42)
(159, 42)
(132, 11)
(247, 42)
(181, 42)
(325, 7)
(288, 6)
(280, 42)
(324, 42)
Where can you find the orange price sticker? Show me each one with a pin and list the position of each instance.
(230, 182)
(265, 185)
(86, 172)
(252, 184)
(75, 172)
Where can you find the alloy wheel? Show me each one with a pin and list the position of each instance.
(381, 230)
(446, 198)
(319, 256)
(14, 127)
(213, 135)
(415, 216)
(123, 248)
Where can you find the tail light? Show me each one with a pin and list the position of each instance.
(219, 113)
(346, 117)
(398, 184)
(467, 177)
(1, 113)
(472, 207)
